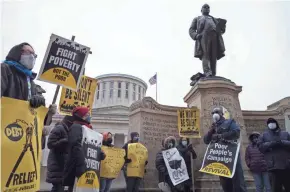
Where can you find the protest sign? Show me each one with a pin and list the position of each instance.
(84, 96)
(188, 122)
(138, 153)
(113, 163)
(175, 165)
(91, 144)
(64, 62)
(221, 158)
(21, 129)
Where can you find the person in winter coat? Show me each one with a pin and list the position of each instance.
(256, 162)
(17, 77)
(133, 183)
(57, 143)
(106, 182)
(163, 175)
(75, 165)
(222, 130)
(275, 145)
(187, 152)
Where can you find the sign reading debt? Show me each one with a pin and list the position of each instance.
(138, 153)
(84, 96)
(64, 62)
(89, 181)
(21, 130)
(111, 166)
(221, 159)
(188, 123)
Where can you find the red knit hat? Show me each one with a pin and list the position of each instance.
(80, 111)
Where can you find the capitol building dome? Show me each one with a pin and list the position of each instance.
(118, 90)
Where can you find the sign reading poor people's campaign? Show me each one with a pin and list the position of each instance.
(83, 97)
(64, 62)
(221, 158)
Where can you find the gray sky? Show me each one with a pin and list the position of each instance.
(141, 37)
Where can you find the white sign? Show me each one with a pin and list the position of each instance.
(176, 166)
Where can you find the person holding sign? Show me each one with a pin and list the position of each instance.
(227, 130)
(76, 165)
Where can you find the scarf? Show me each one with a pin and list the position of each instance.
(20, 68)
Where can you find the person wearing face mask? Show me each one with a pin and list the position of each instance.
(105, 183)
(133, 183)
(275, 145)
(256, 162)
(75, 164)
(187, 152)
(57, 143)
(222, 130)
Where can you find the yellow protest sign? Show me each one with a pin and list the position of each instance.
(64, 62)
(189, 122)
(138, 153)
(84, 96)
(113, 163)
(21, 130)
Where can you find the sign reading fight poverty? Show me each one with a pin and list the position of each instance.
(188, 123)
(91, 144)
(138, 153)
(84, 96)
(64, 62)
(221, 159)
(21, 132)
(111, 166)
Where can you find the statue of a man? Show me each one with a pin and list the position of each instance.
(207, 32)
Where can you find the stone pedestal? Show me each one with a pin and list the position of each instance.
(207, 94)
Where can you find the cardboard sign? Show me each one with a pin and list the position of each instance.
(189, 123)
(138, 153)
(64, 62)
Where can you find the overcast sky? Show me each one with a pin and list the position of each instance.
(142, 37)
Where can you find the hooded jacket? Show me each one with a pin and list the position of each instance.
(13, 82)
(275, 145)
(255, 160)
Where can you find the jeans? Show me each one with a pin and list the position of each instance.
(262, 181)
(237, 183)
(133, 184)
(280, 178)
(57, 188)
(105, 184)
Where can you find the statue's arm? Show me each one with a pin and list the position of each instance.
(223, 30)
(193, 29)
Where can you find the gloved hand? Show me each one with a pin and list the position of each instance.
(216, 137)
(128, 160)
(279, 143)
(146, 162)
(198, 36)
(189, 147)
(37, 101)
(52, 109)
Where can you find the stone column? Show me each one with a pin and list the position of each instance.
(207, 94)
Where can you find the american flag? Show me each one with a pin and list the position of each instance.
(153, 80)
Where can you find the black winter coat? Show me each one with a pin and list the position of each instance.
(57, 143)
(162, 169)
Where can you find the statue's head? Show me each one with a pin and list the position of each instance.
(205, 9)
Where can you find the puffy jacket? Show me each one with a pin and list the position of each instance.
(275, 145)
(57, 143)
(255, 160)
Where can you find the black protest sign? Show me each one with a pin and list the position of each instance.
(221, 158)
(64, 62)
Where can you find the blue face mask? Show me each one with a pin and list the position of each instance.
(88, 119)
(136, 139)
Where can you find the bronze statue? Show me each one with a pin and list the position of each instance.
(207, 32)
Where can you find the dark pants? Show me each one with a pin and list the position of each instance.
(209, 48)
(133, 184)
(262, 181)
(57, 188)
(105, 184)
(280, 178)
(237, 183)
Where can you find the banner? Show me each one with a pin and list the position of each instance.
(21, 129)
(175, 165)
(91, 143)
(111, 166)
(64, 62)
(84, 96)
(188, 122)
(138, 153)
(221, 158)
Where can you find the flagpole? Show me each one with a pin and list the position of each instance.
(156, 86)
